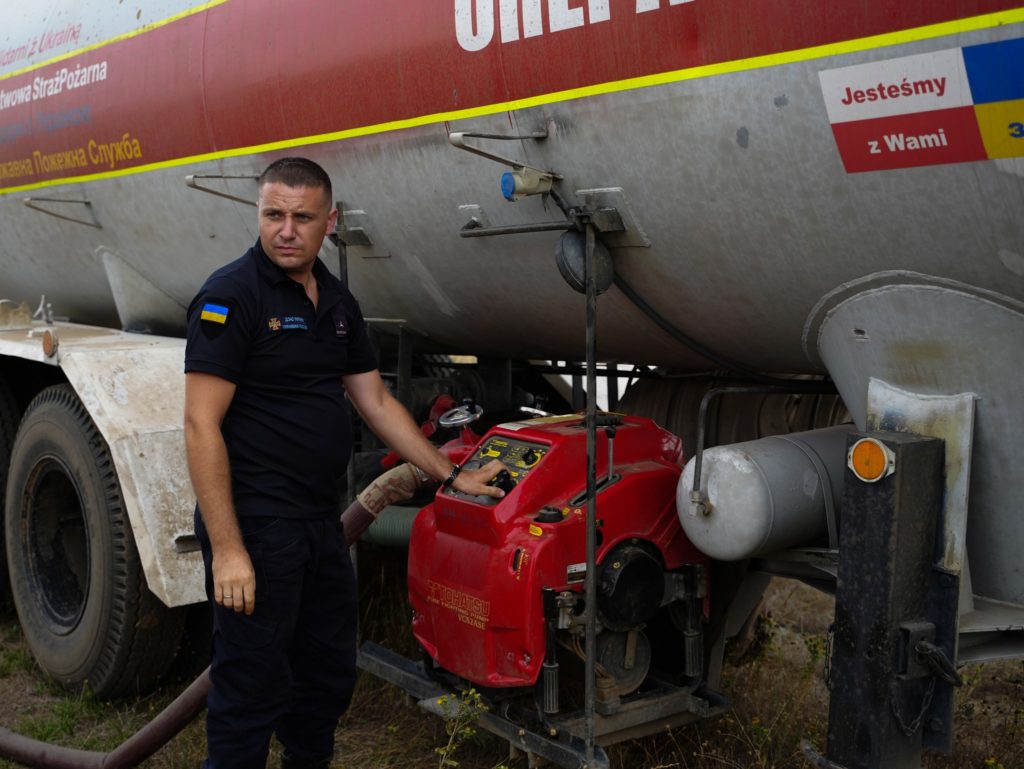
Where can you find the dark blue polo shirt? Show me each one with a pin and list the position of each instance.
(288, 429)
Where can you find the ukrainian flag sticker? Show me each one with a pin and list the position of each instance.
(215, 313)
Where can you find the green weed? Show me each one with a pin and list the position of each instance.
(461, 712)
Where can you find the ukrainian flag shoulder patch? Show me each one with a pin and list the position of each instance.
(215, 313)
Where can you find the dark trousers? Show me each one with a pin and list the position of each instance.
(289, 667)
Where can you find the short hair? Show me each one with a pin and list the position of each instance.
(297, 172)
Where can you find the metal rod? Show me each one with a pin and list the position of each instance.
(610, 432)
(612, 372)
(458, 139)
(577, 391)
(502, 137)
(342, 248)
(190, 181)
(591, 579)
(512, 229)
(33, 203)
(572, 369)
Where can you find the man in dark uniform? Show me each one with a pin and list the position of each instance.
(275, 343)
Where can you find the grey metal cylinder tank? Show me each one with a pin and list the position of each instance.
(765, 495)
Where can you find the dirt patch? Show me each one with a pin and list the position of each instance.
(22, 693)
(20, 699)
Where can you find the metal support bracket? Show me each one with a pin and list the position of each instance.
(33, 203)
(458, 139)
(355, 229)
(614, 217)
(192, 181)
(351, 228)
(524, 179)
(910, 664)
(605, 209)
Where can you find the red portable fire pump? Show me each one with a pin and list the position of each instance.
(497, 592)
(489, 582)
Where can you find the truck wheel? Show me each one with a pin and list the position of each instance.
(76, 578)
(8, 427)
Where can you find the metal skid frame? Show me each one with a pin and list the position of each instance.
(565, 744)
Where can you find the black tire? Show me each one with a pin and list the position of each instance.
(77, 581)
(9, 417)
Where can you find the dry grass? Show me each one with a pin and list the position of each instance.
(777, 692)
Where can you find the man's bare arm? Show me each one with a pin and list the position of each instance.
(207, 398)
(392, 423)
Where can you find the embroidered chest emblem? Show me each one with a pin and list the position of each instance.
(274, 324)
(294, 323)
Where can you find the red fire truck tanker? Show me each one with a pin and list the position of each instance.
(804, 221)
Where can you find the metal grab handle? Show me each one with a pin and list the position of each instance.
(935, 658)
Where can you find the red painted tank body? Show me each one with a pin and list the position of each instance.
(476, 570)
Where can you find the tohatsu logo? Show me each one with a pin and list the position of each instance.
(476, 20)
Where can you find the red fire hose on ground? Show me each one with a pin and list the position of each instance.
(396, 485)
(133, 751)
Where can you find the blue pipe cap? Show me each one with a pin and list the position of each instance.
(508, 186)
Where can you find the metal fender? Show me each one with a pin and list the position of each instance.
(134, 389)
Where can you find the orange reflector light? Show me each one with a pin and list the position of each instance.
(871, 460)
(49, 343)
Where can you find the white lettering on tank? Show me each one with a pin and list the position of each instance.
(17, 96)
(509, 10)
(474, 30)
(561, 16)
(901, 142)
(599, 10)
(520, 19)
(64, 79)
(642, 6)
(533, 23)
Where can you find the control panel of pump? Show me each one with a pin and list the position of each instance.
(519, 457)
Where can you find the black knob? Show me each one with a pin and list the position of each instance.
(530, 457)
(503, 481)
(548, 515)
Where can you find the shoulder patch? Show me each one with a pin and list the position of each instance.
(214, 313)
